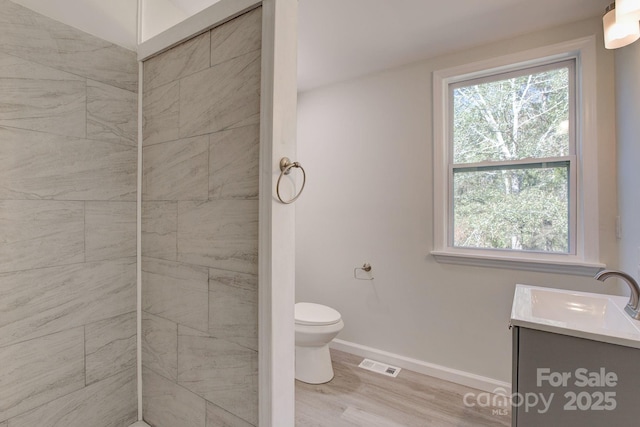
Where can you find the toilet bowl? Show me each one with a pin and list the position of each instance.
(315, 325)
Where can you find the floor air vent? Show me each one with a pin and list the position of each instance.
(380, 368)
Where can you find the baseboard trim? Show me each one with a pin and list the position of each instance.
(442, 372)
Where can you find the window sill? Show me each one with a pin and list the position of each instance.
(559, 265)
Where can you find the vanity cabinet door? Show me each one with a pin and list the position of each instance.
(567, 381)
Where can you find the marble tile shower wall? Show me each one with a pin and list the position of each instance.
(68, 161)
(201, 108)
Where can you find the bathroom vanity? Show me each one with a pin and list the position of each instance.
(576, 359)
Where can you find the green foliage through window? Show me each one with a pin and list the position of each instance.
(512, 136)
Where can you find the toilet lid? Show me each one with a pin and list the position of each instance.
(307, 313)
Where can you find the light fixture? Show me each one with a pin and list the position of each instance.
(621, 30)
(628, 8)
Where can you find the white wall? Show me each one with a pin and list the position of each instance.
(367, 147)
(627, 61)
(160, 15)
(157, 16)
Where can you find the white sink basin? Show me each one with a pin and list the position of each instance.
(581, 314)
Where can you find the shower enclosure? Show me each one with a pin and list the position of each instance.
(192, 225)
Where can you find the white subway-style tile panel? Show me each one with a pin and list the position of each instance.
(38, 302)
(218, 417)
(161, 114)
(222, 372)
(233, 163)
(40, 370)
(110, 230)
(221, 97)
(37, 165)
(159, 229)
(166, 404)
(233, 307)
(177, 170)
(110, 346)
(160, 345)
(176, 291)
(221, 234)
(39, 233)
(34, 37)
(108, 403)
(183, 60)
(237, 37)
(41, 98)
(112, 113)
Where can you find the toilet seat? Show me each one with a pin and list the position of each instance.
(310, 314)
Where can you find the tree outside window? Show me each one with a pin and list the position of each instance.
(513, 152)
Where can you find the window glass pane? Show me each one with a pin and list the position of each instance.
(518, 208)
(514, 118)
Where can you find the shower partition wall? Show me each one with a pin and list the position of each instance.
(219, 112)
(67, 225)
(201, 144)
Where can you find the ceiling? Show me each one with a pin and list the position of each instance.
(343, 39)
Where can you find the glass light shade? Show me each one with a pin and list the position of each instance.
(619, 33)
(628, 8)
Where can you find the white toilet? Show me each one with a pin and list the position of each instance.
(316, 326)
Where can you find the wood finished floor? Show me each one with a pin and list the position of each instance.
(357, 397)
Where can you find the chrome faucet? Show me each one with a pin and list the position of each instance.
(633, 307)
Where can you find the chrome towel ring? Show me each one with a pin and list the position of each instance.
(285, 168)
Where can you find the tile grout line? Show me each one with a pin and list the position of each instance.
(177, 231)
(209, 167)
(84, 343)
(217, 131)
(178, 354)
(208, 326)
(86, 107)
(79, 263)
(178, 203)
(187, 264)
(23, 341)
(84, 230)
(66, 71)
(119, 142)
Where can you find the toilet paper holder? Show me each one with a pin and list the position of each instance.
(365, 267)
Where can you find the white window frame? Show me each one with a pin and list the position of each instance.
(583, 258)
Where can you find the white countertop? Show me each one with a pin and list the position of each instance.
(587, 315)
